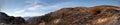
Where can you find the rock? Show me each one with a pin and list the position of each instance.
(4, 18)
(2, 14)
(17, 20)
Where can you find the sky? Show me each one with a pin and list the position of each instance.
(41, 7)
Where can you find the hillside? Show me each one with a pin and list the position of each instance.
(97, 15)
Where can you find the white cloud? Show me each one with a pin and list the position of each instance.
(20, 11)
(33, 14)
(61, 5)
(33, 1)
(35, 7)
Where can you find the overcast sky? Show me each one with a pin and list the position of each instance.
(41, 7)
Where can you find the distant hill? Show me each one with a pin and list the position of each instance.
(26, 18)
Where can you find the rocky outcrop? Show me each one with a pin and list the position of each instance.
(17, 20)
(98, 15)
(5, 19)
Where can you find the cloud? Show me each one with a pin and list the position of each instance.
(33, 14)
(35, 7)
(63, 4)
(20, 11)
(33, 1)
